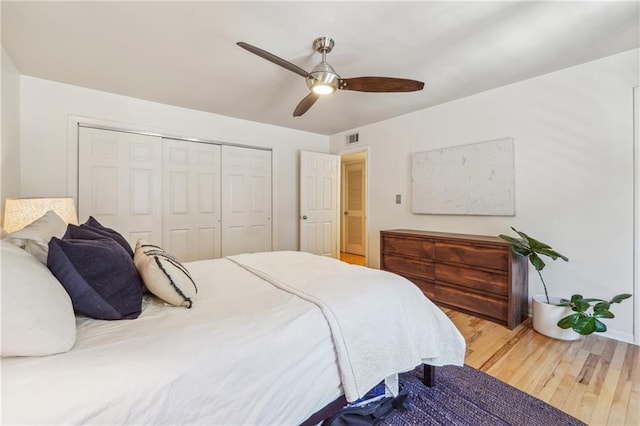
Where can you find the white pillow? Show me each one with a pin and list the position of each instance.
(37, 315)
(163, 275)
(35, 237)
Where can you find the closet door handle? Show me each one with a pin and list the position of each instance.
(304, 217)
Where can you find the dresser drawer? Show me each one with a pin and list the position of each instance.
(408, 246)
(487, 257)
(405, 265)
(483, 280)
(482, 304)
(428, 287)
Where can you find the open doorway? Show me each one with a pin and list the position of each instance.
(353, 204)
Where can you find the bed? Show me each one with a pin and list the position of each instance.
(272, 338)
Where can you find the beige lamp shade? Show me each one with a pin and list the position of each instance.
(19, 212)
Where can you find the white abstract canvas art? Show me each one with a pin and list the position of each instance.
(475, 179)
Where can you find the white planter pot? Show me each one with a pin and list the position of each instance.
(546, 317)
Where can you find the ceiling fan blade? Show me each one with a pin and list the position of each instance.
(380, 84)
(273, 58)
(305, 104)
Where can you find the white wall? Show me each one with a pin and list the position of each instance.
(49, 142)
(10, 144)
(573, 132)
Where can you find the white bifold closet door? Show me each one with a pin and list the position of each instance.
(120, 182)
(246, 200)
(196, 200)
(191, 199)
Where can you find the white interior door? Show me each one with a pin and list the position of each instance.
(354, 208)
(246, 200)
(191, 199)
(119, 182)
(319, 195)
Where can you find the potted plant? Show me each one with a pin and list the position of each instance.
(556, 317)
(587, 313)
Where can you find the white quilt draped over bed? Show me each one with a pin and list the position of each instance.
(407, 328)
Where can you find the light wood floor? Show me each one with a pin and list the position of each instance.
(595, 379)
(354, 259)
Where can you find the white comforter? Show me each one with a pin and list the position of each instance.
(381, 323)
(246, 353)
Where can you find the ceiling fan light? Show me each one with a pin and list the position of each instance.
(322, 89)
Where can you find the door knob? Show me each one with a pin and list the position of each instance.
(304, 217)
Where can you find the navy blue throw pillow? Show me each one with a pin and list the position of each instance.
(99, 276)
(95, 226)
(87, 232)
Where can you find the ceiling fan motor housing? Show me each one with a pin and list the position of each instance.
(323, 75)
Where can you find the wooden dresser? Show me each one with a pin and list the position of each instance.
(475, 274)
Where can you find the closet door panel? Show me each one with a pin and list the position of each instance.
(208, 188)
(179, 242)
(192, 199)
(178, 183)
(148, 236)
(120, 182)
(141, 183)
(246, 200)
(208, 242)
(105, 191)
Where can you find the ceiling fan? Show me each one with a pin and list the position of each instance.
(323, 80)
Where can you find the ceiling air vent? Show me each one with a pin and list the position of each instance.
(352, 138)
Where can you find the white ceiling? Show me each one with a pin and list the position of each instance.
(185, 53)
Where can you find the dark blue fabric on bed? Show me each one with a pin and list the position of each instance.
(99, 276)
(88, 232)
(93, 225)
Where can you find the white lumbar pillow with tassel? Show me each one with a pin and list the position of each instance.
(164, 275)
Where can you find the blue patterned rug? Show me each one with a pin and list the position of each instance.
(466, 396)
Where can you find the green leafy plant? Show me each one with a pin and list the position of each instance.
(533, 249)
(584, 322)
